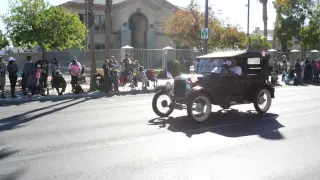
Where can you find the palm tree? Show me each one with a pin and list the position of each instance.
(265, 16)
(108, 28)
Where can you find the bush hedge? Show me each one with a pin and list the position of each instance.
(160, 73)
(176, 68)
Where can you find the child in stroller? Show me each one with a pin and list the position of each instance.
(291, 77)
(141, 76)
(34, 86)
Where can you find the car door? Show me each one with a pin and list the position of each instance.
(241, 84)
(227, 85)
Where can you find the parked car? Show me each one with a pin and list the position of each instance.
(215, 83)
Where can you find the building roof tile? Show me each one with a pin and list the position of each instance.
(98, 2)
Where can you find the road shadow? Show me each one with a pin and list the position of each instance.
(6, 152)
(19, 120)
(228, 123)
(13, 175)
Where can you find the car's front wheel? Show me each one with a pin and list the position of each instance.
(162, 104)
(199, 107)
(262, 101)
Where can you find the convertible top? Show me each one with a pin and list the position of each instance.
(232, 54)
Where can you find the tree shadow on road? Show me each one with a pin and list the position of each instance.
(13, 175)
(6, 152)
(16, 121)
(229, 123)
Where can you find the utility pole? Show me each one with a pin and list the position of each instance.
(86, 22)
(206, 26)
(92, 46)
(248, 27)
(108, 29)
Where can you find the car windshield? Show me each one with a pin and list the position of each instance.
(206, 66)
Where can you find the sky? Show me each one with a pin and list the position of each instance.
(234, 10)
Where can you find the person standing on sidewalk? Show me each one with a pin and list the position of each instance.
(284, 69)
(3, 70)
(75, 70)
(13, 77)
(298, 70)
(54, 64)
(44, 73)
(107, 78)
(28, 70)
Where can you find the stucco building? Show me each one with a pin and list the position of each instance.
(275, 45)
(138, 23)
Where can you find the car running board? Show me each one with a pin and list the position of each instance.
(238, 103)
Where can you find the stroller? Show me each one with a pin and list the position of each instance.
(82, 77)
(127, 77)
(141, 76)
(291, 77)
(34, 86)
(151, 77)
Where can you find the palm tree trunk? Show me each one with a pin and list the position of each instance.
(265, 17)
(108, 28)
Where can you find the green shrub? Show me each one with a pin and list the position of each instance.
(176, 68)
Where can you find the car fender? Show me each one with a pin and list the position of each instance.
(160, 88)
(198, 89)
(268, 87)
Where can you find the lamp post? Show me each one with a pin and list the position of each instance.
(248, 26)
(92, 47)
(206, 26)
(165, 53)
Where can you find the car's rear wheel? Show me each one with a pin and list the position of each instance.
(262, 101)
(162, 104)
(199, 107)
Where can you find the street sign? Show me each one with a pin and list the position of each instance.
(205, 33)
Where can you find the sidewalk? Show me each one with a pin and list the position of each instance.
(53, 95)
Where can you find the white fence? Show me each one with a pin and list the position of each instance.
(149, 58)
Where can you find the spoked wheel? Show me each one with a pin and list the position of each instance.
(199, 108)
(262, 101)
(162, 104)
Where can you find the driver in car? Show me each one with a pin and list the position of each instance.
(233, 68)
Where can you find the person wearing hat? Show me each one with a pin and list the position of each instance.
(3, 70)
(13, 77)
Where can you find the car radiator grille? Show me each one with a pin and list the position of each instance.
(179, 88)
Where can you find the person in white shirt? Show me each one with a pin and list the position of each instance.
(234, 69)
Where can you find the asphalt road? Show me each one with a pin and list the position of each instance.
(119, 138)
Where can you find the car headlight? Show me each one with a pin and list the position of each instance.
(168, 86)
(188, 85)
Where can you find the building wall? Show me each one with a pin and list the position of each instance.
(277, 46)
(156, 14)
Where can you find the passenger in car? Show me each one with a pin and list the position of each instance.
(237, 70)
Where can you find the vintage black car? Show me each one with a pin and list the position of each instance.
(223, 79)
